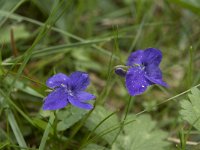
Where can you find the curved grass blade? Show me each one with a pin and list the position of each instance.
(50, 21)
(15, 6)
(21, 18)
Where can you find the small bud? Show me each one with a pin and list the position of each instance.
(121, 70)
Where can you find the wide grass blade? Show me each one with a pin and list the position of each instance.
(15, 129)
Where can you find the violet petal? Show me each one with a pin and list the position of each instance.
(135, 58)
(136, 83)
(85, 96)
(79, 81)
(74, 101)
(56, 100)
(152, 56)
(57, 80)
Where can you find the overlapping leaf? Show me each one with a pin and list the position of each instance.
(191, 108)
(99, 117)
(141, 134)
(69, 117)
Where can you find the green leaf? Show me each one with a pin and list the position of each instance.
(69, 117)
(94, 147)
(191, 108)
(41, 124)
(141, 135)
(96, 117)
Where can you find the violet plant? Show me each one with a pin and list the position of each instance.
(68, 90)
(142, 70)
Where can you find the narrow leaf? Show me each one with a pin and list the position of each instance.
(16, 130)
(46, 132)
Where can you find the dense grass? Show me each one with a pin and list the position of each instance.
(41, 38)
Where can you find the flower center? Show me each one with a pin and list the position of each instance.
(142, 66)
(67, 89)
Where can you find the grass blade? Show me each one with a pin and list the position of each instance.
(46, 132)
(15, 129)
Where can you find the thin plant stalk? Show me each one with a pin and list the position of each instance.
(46, 132)
(123, 121)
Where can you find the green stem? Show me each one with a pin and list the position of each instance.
(169, 99)
(77, 128)
(85, 139)
(123, 121)
(46, 132)
(109, 130)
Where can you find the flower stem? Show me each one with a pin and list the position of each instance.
(77, 128)
(123, 121)
(46, 132)
(86, 138)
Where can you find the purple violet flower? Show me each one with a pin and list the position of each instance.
(68, 90)
(143, 70)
